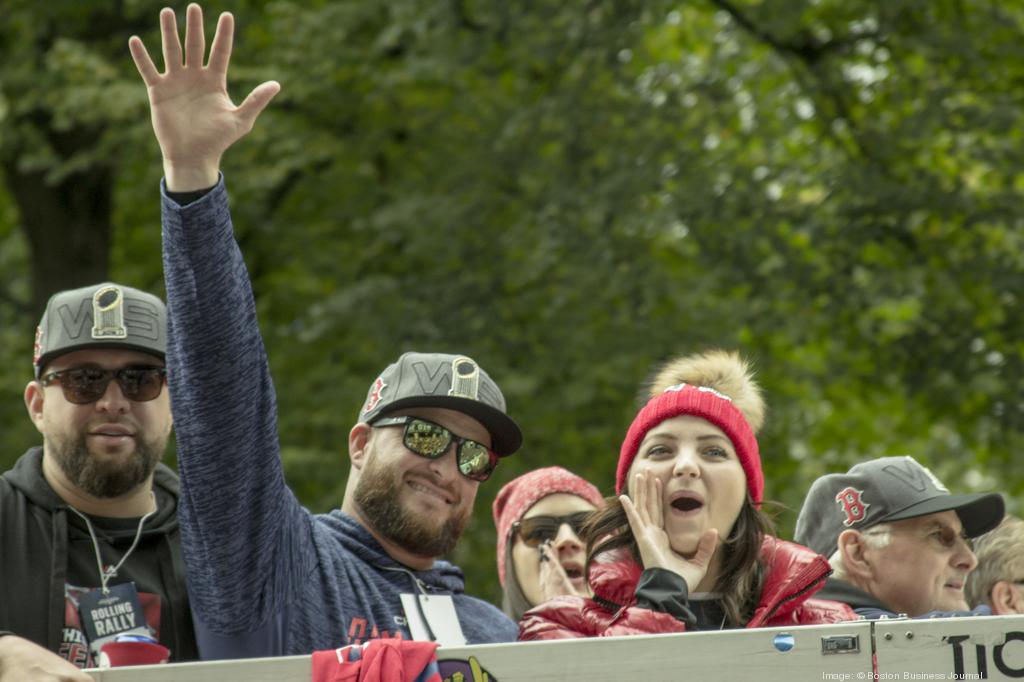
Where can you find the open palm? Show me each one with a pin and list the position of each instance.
(194, 119)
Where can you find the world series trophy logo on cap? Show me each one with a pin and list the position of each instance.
(108, 314)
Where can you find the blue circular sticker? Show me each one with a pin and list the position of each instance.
(784, 642)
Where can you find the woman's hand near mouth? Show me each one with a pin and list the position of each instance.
(555, 581)
(647, 520)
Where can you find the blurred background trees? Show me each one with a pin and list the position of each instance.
(571, 193)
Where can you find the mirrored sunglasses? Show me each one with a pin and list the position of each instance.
(537, 530)
(427, 439)
(84, 385)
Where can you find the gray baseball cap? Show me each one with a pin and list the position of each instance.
(103, 315)
(441, 380)
(881, 490)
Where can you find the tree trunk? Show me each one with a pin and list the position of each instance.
(67, 225)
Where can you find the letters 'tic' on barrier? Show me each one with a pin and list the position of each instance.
(990, 648)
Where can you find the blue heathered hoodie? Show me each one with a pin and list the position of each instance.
(266, 577)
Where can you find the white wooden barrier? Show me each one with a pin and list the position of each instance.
(941, 649)
(953, 648)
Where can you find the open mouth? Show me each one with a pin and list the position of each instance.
(573, 570)
(687, 504)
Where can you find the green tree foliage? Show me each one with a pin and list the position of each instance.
(573, 192)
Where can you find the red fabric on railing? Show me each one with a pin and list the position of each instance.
(379, 660)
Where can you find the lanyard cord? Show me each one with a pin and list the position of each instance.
(106, 575)
(423, 617)
(416, 598)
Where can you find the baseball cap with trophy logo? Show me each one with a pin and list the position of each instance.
(455, 382)
(103, 315)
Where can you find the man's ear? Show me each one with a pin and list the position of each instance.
(358, 442)
(853, 548)
(34, 395)
(1004, 599)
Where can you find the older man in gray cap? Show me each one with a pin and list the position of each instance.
(267, 577)
(898, 541)
(92, 513)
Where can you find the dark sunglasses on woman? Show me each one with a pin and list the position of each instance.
(537, 530)
(427, 439)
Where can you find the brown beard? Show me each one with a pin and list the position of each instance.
(378, 495)
(105, 479)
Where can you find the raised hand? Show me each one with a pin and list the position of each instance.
(646, 517)
(554, 581)
(194, 119)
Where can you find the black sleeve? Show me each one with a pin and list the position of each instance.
(665, 591)
(186, 198)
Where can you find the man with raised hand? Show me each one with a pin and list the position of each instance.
(897, 540)
(88, 525)
(267, 577)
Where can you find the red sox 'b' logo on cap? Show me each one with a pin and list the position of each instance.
(375, 394)
(855, 509)
(37, 348)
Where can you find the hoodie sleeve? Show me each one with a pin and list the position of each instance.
(247, 541)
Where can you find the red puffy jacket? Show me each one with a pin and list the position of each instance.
(792, 574)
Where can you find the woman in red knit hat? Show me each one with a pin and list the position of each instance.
(540, 554)
(686, 546)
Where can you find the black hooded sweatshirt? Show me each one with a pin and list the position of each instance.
(47, 559)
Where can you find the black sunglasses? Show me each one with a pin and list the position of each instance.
(84, 385)
(537, 530)
(425, 438)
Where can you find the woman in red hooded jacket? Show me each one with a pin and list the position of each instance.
(686, 546)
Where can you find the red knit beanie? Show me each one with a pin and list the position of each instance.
(519, 494)
(698, 401)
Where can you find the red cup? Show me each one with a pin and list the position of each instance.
(117, 654)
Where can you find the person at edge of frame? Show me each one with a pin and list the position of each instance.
(92, 513)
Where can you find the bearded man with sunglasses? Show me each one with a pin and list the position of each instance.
(266, 576)
(88, 523)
